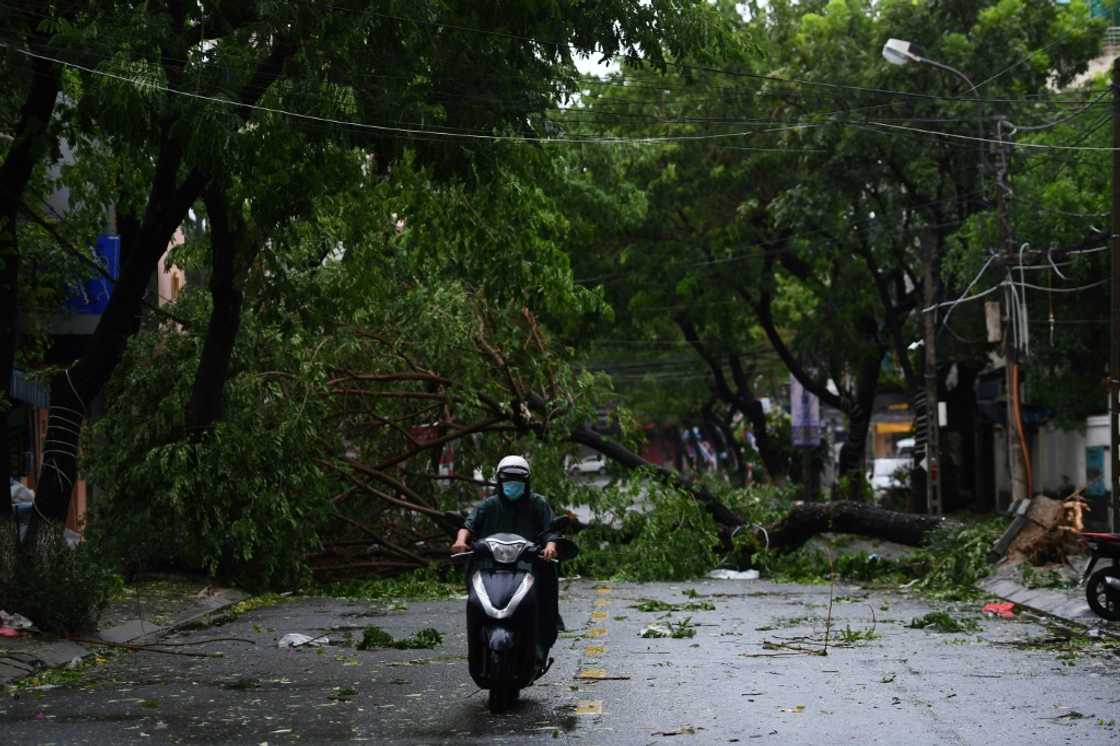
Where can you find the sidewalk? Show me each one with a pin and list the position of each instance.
(144, 611)
(1067, 604)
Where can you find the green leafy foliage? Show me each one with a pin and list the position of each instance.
(855, 636)
(420, 585)
(244, 500)
(942, 621)
(675, 540)
(948, 567)
(955, 560)
(817, 566)
(684, 629)
(375, 637)
(1051, 577)
(654, 605)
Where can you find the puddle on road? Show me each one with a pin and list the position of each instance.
(472, 719)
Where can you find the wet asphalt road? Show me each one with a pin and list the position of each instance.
(880, 682)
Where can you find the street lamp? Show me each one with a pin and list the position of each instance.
(899, 52)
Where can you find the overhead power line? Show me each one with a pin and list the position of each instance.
(450, 134)
(973, 138)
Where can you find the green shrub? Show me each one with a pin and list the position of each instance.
(59, 588)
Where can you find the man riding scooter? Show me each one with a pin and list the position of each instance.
(515, 509)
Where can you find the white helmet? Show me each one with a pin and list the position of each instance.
(513, 466)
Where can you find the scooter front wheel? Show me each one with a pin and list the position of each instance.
(499, 700)
(502, 698)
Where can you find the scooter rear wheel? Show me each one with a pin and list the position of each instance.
(1103, 599)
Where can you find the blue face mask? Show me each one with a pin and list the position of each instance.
(513, 490)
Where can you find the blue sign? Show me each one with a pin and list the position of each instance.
(92, 296)
(1094, 471)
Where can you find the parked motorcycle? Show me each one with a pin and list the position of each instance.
(510, 620)
(1102, 588)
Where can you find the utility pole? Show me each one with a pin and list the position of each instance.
(1010, 353)
(933, 439)
(1114, 304)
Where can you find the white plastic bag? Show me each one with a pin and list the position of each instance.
(297, 640)
(733, 575)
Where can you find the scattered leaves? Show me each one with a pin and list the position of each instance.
(375, 637)
(940, 621)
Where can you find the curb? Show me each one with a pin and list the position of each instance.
(1051, 603)
(52, 653)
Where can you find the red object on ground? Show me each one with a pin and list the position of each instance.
(11, 632)
(1004, 610)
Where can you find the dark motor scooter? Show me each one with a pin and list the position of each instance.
(508, 637)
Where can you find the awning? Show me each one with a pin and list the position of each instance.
(893, 427)
(22, 388)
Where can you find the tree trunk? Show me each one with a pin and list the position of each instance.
(773, 460)
(29, 145)
(207, 401)
(74, 388)
(806, 520)
(859, 419)
(724, 439)
(9, 326)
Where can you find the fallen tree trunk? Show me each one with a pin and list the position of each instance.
(806, 520)
(803, 522)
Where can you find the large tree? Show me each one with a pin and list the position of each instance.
(202, 81)
(809, 180)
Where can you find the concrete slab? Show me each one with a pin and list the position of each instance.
(59, 653)
(21, 657)
(131, 630)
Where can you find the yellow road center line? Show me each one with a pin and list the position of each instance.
(595, 650)
(596, 632)
(601, 602)
(598, 616)
(592, 673)
(589, 707)
(603, 590)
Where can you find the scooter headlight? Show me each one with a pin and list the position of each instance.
(505, 553)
